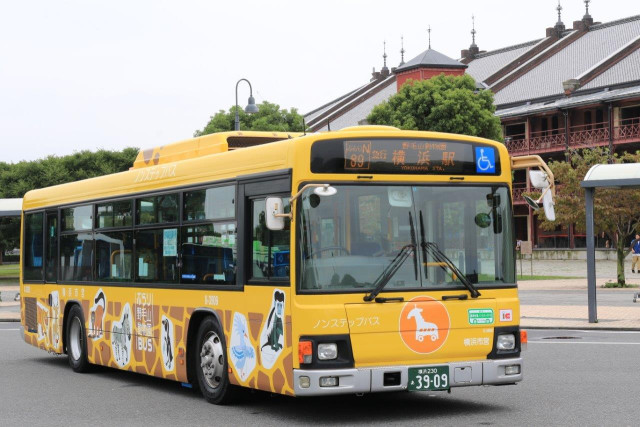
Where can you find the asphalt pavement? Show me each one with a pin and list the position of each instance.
(571, 378)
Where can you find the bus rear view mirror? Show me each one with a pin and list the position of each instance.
(274, 213)
(540, 180)
(547, 204)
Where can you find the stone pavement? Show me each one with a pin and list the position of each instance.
(9, 309)
(577, 316)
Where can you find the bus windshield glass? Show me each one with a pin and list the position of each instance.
(348, 240)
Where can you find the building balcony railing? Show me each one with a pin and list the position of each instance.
(518, 189)
(581, 136)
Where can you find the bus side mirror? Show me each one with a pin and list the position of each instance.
(540, 181)
(274, 213)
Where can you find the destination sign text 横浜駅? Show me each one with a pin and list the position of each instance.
(388, 156)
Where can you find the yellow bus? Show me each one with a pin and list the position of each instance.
(364, 260)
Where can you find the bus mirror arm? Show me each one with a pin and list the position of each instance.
(320, 190)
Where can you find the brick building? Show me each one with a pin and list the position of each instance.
(575, 87)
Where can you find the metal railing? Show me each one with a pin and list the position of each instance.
(580, 136)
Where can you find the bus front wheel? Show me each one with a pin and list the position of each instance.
(210, 362)
(77, 340)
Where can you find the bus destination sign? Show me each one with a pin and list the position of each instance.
(438, 157)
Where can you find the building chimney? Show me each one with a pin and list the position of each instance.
(375, 75)
(570, 86)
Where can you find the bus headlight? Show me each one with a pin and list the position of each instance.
(327, 351)
(506, 342)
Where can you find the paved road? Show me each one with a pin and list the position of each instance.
(590, 379)
(612, 298)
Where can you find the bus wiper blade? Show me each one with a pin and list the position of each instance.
(439, 256)
(389, 271)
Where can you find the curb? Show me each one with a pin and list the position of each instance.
(586, 328)
(9, 320)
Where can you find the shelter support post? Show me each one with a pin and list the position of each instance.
(591, 257)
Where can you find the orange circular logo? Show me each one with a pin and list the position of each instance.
(424, 324)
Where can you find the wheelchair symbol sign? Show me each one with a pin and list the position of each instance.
(485, 160)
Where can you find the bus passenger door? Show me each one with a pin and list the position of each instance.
(265, 308)
(53, 328)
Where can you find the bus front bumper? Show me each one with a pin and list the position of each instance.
(372, 380)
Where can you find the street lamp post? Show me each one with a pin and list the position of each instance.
(251, 106)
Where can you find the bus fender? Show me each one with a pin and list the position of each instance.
(67, 307)
(192, 329)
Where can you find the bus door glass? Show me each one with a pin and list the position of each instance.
(266, 266)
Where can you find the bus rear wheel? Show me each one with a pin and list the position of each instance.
(210, 363)
(77, 340)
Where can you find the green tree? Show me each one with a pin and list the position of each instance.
(9, 235)
(443, 104)
(18, 178)
(615, 211)
(268, 118)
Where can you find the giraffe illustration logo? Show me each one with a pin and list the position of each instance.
(424, 324)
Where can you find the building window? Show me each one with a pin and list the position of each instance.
(544, 126)
(599, 118)
(587, 120)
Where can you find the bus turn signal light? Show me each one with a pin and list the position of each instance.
(523, 339)
(305, 351)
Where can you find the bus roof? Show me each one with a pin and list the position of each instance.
(216, 157)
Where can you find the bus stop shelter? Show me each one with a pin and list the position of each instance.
(10, 207)
(618, 176)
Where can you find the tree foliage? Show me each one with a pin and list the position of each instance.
(268, 118)
(18, 178)
(443, 104)
(616, 212)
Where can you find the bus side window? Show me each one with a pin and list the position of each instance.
(209, 253)
(270, 249)
(33, 246)
(51, 236)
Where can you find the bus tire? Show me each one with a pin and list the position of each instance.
(211, 364)
(77, 340)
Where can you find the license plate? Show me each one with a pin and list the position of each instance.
(429, 378)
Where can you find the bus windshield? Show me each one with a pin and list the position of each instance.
(347, 240)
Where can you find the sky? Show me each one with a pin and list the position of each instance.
(86, 74)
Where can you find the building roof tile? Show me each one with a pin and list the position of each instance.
(546, 79)
(430, 59)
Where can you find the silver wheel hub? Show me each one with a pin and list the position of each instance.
(75, 339)
(212, 360)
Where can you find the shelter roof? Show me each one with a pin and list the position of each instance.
(10, 207)
(622, 175)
